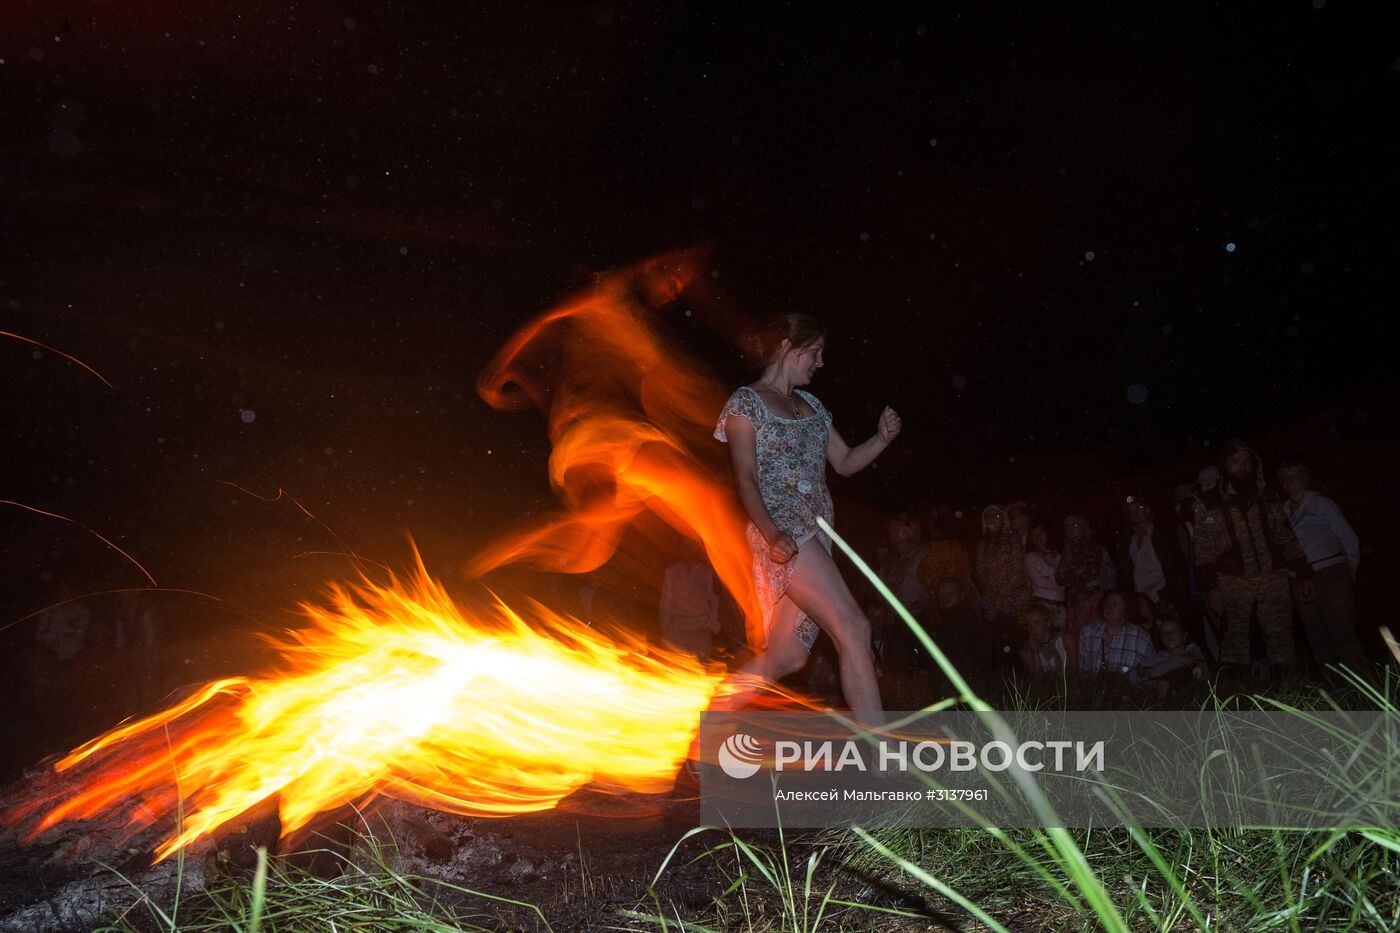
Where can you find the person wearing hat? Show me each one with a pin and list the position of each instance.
(1245, 551)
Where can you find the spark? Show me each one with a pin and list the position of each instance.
(71, 359)
(64, 518)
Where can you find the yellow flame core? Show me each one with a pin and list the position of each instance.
(394, 690)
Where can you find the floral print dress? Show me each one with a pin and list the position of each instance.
(790, 456)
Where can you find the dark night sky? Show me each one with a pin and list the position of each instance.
(331, 215)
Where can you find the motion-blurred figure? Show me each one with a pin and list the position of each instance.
(690, 608)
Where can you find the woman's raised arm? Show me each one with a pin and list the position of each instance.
(849, 460)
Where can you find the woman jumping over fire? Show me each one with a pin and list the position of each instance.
(780, 440)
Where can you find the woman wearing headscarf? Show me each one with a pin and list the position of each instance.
(1001, 576)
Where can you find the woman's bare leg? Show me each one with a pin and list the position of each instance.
(818, 590)
(785, 654)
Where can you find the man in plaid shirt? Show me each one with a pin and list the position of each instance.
(1112, 644)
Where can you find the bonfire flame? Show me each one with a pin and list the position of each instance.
(394, 690)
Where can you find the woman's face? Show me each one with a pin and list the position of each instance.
(1113, 609)
(1074, 529)
(1040, 537)
(902, 532)
(994, 521)
(803, 363)
(950, 594)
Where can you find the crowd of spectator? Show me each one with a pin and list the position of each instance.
(1216, 587)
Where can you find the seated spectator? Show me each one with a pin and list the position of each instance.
(1176, 664)
(946, 559)
(1044, 650)
(1041, 563)
(899, 563)
(1111, 644)
(957, 630)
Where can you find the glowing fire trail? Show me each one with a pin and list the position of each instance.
(394, 690)
(628, 415)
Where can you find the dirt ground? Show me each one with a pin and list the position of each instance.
(588, 864)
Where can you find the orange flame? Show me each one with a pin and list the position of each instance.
(394, 690)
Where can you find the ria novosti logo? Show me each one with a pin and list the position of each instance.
(740, 755)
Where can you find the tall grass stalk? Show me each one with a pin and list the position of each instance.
(1067, 855)
(802, 905)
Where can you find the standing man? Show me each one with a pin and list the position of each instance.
(1245, 550)
(1334, 553)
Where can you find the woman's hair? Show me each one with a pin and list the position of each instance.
(1162, 627)
(1313, 484)
(1023, 618)
(1122, 596)
(1038, 525)
(1088, 537)
(801, 330)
